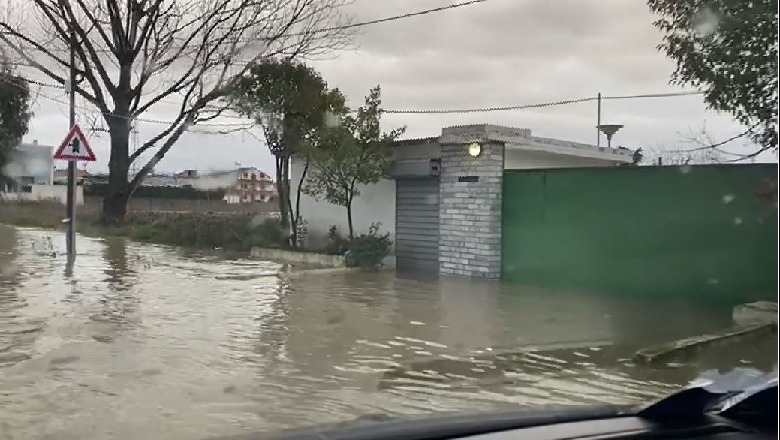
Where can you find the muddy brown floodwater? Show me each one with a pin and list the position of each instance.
(142, 341)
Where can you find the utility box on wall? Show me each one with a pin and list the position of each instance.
(435, 167)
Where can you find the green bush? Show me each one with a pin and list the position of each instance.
(235, 232)
(369, 250)
(229, 231)
(269, 233)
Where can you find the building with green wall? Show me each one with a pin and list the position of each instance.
(677, 230)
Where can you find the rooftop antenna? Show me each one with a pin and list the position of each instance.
(609, 130)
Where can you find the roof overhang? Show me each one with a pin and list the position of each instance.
(522, 139)
(573, 149)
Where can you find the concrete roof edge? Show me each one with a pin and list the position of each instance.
(415, 141)
(582, 146)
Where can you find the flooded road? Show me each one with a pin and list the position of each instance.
(141, 341)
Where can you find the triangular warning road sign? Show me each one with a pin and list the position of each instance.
(75, 147)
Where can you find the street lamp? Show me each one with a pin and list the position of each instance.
(609, 130)
(475, 149)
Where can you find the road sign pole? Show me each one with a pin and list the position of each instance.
(75, 148)
(70, 238)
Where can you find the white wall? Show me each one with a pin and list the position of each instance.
(46, 192)
(515, 159)
(428, 150)
(31, 160)
(376, 203)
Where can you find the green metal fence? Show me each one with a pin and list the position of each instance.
(691, 230)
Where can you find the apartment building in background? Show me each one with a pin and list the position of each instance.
(30, 164)
(241, 185)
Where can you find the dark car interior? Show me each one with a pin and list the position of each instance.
(694, 413)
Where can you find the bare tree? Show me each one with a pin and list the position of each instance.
(658, 156)
(133, 55)
(701, 148)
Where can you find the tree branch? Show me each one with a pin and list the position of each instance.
(33, 63)
(129, 47)
(64, 31)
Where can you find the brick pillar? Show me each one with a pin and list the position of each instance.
(470, 205)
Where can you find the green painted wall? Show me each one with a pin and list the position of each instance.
(692, 231)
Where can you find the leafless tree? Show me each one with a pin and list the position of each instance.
(658, 156)
(701, 148)
(134, 55)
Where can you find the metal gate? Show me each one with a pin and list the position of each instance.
(417, 224)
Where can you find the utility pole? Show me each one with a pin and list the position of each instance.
(70, 238)
(598, 122)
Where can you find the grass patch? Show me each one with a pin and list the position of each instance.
(226, 231)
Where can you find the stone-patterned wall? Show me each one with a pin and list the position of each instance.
(470, 212)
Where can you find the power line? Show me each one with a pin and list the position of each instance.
(497, 108)
(540, 105)
(716, 146)
(654, 95)
(131, 118)
(436, 111)
(329, 29)
(341, 27)
(43, 84)
(402, 16)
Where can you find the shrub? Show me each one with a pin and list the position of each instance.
(369, 250)
(269, 233)
(235, 232)
(201, 230)
(336, 244)
(159, 192)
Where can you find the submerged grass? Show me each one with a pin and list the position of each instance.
(225, 231)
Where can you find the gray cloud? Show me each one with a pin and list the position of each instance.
(502, 52)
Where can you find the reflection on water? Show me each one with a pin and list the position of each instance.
(144, 341)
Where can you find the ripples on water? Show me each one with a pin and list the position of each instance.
(143, 341)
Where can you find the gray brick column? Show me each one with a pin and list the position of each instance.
(470, 204)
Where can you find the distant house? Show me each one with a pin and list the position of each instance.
(159, 180)
(61, 176)
(96, 179)
(186, 177)
(251, 185)
(242, 185)
(33, 177)
(30, 164)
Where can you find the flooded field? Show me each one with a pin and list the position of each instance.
(141, 341)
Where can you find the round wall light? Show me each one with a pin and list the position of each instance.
(475, 149)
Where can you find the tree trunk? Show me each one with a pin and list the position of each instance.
(281, 190)
(299, 190)
(350, 197)
(349, 220)
(118, 191)
(295, 214)
(286, 180)
(293, 222)
(288, 141)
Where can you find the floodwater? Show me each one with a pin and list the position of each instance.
(142, 341)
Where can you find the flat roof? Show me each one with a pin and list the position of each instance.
(520, 138)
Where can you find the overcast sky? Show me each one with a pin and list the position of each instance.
(498, 53)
